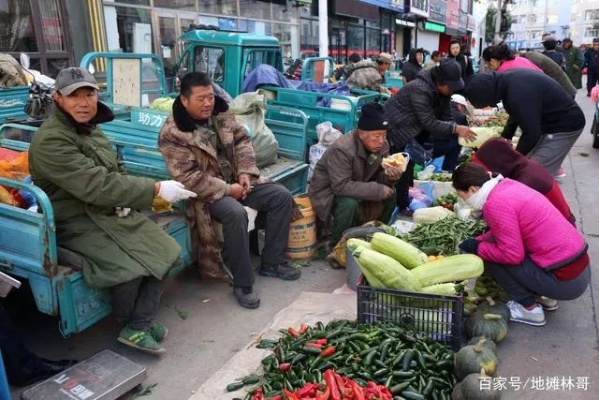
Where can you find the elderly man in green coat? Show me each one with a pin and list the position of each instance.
(94, 203)
(574, 60)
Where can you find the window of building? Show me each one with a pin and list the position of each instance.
(355, 39)
(373, 42)
(535, 34)
(591, 32)
(224, 7)
(128, 29)
(591, 15)
(258, 9)
(187, 5)
(136, 2)
(38, 29)
(552, 19)
(574, 17)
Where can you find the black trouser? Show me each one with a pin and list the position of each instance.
(450, 148)
(592, 76)
(525, 281)
(18, 361)
(270, 198)
(135, 302)
(402, 187)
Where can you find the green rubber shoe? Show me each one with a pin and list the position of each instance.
(158, 331)
(140, 340)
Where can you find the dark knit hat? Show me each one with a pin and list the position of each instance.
(372, 118)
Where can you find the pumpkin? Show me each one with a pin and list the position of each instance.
(491, 326)
(495, 307)
(479, 386)
(471, 359)
(488, 343)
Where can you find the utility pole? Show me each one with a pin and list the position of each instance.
(497, 38)
(323, 28)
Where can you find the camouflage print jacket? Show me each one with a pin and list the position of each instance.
(364, 75)
(192, 160)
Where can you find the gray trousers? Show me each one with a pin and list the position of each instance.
(552, 149)
(525, 281)
(135, 302)
(272, 199)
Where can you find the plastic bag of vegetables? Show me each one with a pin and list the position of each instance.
(431, 214)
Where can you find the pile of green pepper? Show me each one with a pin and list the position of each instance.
(410, 365)
(444, 236)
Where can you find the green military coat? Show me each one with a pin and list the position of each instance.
(77, 168)
(574, 60)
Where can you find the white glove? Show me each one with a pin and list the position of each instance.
(122, 212)
(173, 191)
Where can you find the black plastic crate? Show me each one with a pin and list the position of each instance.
(438, 317)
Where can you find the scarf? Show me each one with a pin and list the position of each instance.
(478, 199)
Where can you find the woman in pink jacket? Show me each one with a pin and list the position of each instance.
(530, 249)
(501, 58)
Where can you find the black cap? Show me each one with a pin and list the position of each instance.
(596, 40)
(449, 72)
(372, 118)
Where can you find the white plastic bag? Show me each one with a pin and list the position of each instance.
(326, 136)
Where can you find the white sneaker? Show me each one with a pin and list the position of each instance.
(547, 303)
(518, 313)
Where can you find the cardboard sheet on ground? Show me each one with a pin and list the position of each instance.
(308, 308)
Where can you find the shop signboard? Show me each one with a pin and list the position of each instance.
(452, 20)
(393, 5)
(471, 23)
(419, 7)
(437, 11)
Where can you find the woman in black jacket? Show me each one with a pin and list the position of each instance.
(455, 52)
(413, 65)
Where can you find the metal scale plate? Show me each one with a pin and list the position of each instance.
(104, 376)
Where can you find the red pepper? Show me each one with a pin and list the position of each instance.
(277, 397)
(284, 367)
(303, 329)
(329, 378)
(314, 345)
(308, 390)
(293, 332)
(321, 341)
(340, 385)
(329, 351)
(258, 395)
(326, 395)
(290, 395)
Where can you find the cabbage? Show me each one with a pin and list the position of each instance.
(163, 104)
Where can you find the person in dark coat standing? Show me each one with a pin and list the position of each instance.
(455, 52)
(413, 66)
(591, 62)
(574, 61)
(416, 112)
(549, 117)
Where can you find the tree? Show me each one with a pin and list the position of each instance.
(506, 23)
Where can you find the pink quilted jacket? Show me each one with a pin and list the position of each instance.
(523, 222)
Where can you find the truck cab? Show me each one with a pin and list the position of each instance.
(228, 57)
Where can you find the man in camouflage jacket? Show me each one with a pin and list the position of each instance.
(207, 150)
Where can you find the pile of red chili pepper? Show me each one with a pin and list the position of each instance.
(336, 387)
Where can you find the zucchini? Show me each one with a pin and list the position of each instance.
(388, 271)
(401, 251)
(444, 289)
(449, 269)
(354, 243)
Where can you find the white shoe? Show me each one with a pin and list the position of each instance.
(534, 317)
(547, 303)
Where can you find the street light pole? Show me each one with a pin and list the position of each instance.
(323, 28)
(497, 37)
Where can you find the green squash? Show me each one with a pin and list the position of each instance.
(471, 359)
(471, 387)
(491, 326)
(488, 343)
(495, 307)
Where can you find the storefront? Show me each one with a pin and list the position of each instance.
(42, 30)
(452, 24)
(153, 26)
(433, 27)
